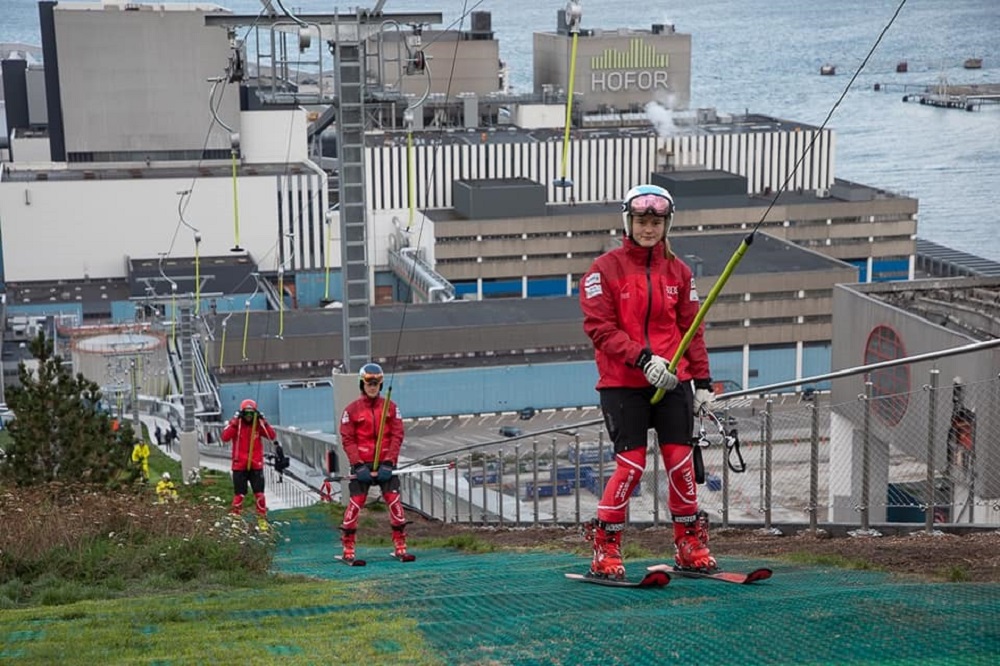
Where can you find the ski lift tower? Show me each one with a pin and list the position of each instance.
(346, 36)
(347, 47)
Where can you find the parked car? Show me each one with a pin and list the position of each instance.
(526, 414)
(510, 431)
(725, 386)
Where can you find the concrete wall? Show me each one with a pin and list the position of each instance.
(857, 316)
(139, 80)
(618, 69)
(470, 66)
(274, 136)
(73, 229)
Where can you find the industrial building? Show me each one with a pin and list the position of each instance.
(236, 171)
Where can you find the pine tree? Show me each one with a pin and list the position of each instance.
(59, 432)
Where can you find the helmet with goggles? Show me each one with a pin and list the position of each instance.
(371, 374)
(647, 200)
(248, 408)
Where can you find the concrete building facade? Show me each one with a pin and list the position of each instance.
(617, 70)
(880, 322)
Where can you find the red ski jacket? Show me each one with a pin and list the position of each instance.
(248, 451)
(633, 297)
(359, 429)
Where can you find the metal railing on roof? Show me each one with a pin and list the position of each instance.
(419, 276)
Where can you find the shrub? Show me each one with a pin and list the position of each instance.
(73, 541)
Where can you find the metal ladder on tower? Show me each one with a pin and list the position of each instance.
(353, 219)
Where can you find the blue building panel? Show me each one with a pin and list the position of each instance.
(816, 361)
(493, 389)
(890, 270)
(770, 365)
(307, 405)
(45, 309)
(313, 287)
(122, 312)
(502, 288)
(547, 287)
(727, 366)
(265, 394)
(463, 288)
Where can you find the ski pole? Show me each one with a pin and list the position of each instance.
(703, 310)
(253, 434)
(381, 428)
(416, 469)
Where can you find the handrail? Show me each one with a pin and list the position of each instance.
(857, 370)
(418, 274)
(205, 382)
(760, 390)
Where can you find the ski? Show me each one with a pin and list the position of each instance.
(725, 576)
(405, 557)
(652, 579)
(353, 562)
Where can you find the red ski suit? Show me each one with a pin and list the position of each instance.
(359, 427)
(359, 431)
(633, 297)
(247, 451)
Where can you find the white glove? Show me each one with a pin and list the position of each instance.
(703, 399)
(658, 373)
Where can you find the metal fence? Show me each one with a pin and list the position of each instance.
(807, 458)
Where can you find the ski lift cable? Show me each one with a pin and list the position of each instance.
(466, 11)
(734, 261)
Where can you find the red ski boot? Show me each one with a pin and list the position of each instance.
(607, 538)
(347, 540)
(399, 542)
(691, 541)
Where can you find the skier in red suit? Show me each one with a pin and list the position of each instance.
(638, 302)
(372, 422)
(245, 430)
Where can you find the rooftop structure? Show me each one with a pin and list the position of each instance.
(942, 261)
(619, 69)
(969, 305)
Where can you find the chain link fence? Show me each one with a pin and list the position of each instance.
(927, 456)
(924, 457)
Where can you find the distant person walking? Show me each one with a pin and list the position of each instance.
(245, 430)
(281, 461)
(140, 456)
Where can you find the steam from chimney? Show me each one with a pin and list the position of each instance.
(661, 117)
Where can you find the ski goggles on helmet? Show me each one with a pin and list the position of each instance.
(649, 204)
(371, 374)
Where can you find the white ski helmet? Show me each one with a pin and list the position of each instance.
(370, 373)
(647, 200)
